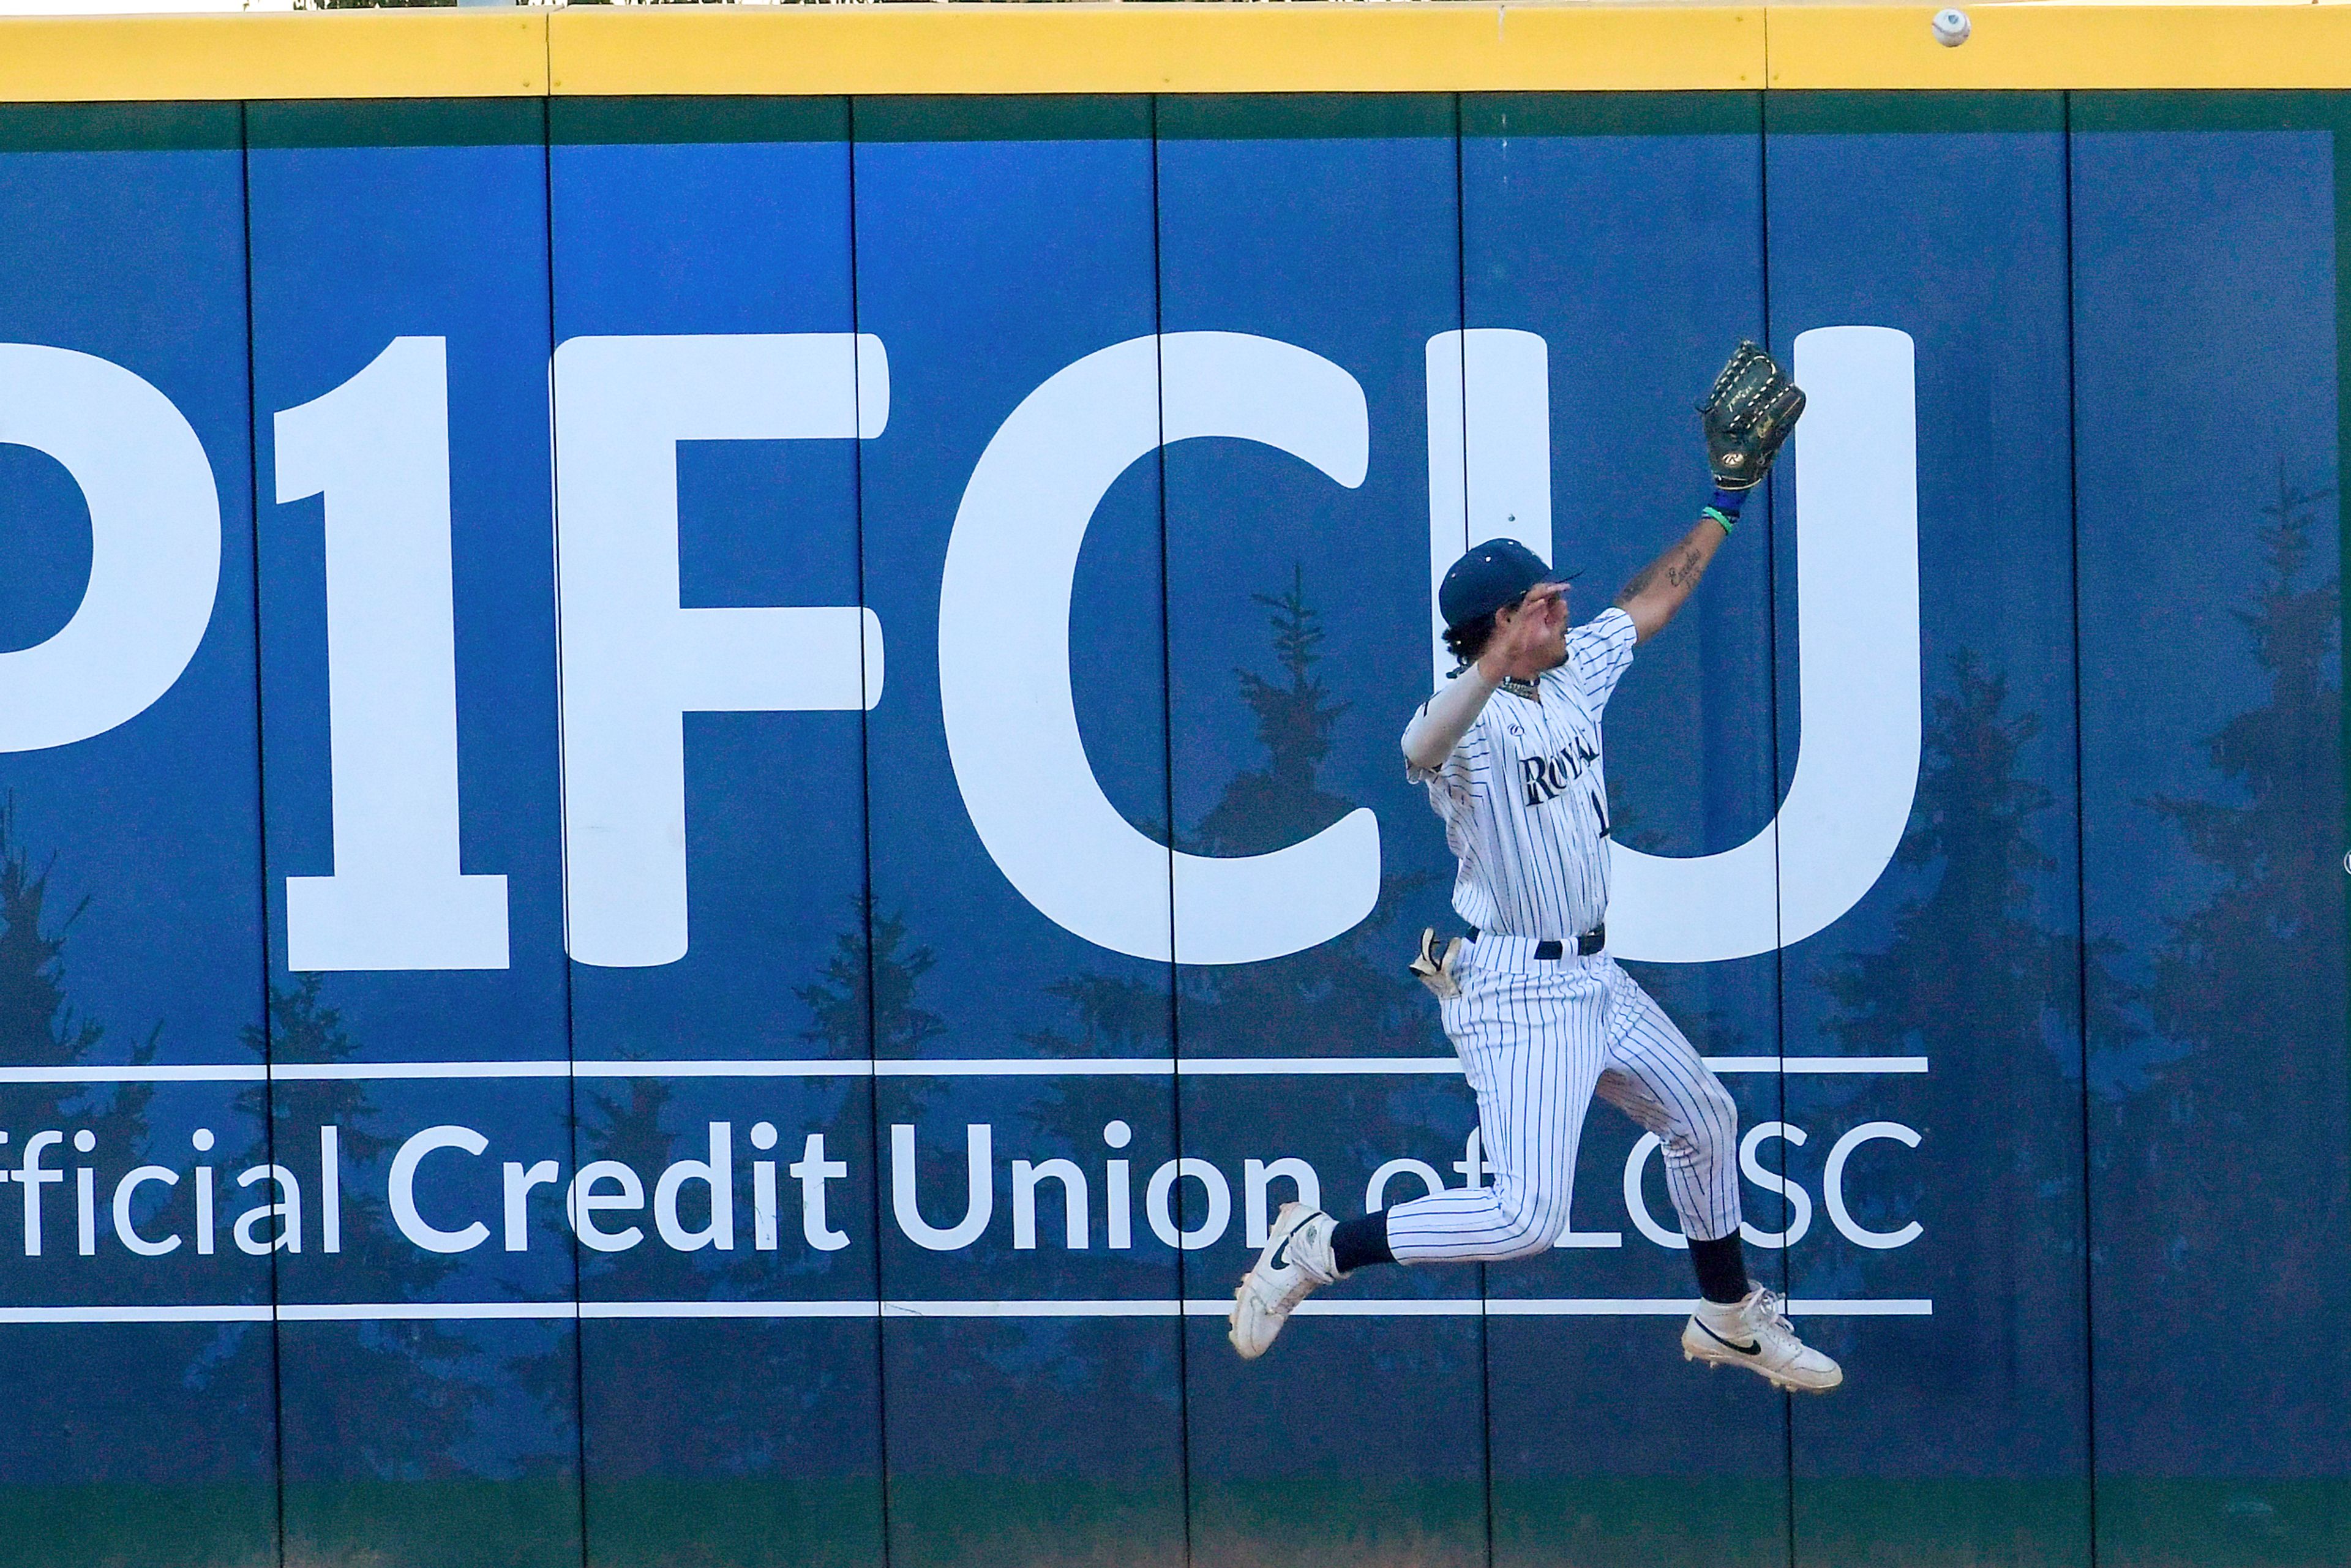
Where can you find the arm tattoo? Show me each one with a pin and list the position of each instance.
(1638, 586)
(1680, 574)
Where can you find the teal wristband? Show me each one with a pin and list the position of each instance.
(1719, 514)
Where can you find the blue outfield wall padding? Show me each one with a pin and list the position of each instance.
(1966, 950)
(2212, 796)
(131, 871)
(741, 1434)
(1009, 242)
(779, 829)
(1297, 648)
(1577, 229)
(400, 298)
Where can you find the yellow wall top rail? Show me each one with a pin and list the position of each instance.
(1162, 48)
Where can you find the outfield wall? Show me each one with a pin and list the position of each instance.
(994, 504)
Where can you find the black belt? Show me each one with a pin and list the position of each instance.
(1591, 942)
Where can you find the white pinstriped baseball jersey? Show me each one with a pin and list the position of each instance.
(1524, 799)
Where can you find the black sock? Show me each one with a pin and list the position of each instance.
(1721, 1270)
(1356, 1242)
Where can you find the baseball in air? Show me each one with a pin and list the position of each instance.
(1952, 28)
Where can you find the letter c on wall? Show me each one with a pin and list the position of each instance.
(404, 1212)
(155, 544)
(1004, 650)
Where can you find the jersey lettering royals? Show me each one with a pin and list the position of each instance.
(1523, 798)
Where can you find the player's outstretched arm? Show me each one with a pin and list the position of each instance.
(1525, 643)
(1445, 717)
(1660, 589)
(1749, 416)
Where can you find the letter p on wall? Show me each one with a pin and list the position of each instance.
(155, 545)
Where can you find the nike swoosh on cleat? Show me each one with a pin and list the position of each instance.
(1280, 1259)
(1755, 1349)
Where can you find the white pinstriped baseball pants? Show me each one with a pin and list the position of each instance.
(1538, 1038)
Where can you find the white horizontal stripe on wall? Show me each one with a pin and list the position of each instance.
(983, 1067)
(474, 1312)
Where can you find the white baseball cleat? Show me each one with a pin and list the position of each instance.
(1295, 1263)
(1755, 1333)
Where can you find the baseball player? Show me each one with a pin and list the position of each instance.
(1541, 1015)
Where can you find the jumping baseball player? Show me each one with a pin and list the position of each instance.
(1541, 1014)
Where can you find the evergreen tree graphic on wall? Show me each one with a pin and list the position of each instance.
(1283, 803)
(429, 1373)
(1346, 997)
(1349, 996)
(1973, 980)
(865, 998)
(38, 1024)
(423, 1372)
(95, 1414)
(2241, 1132)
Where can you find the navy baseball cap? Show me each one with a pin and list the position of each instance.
(1493, 574)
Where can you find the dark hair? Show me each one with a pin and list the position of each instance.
(1469, 640)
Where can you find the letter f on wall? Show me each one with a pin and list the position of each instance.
(634, 662)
